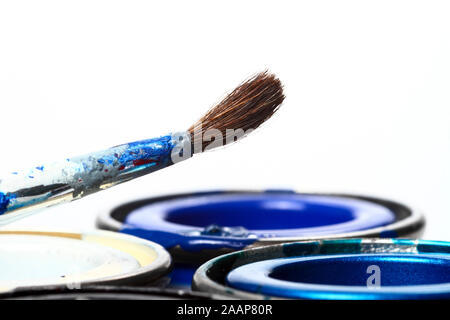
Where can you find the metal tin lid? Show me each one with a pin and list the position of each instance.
(332, 269)
(102, 292)
(34, 259)
(202, 225)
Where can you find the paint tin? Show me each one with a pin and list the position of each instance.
(98, 292)
(332, 269)
(37, 259)
(196, 227)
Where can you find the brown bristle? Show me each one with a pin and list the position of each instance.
(247, 107)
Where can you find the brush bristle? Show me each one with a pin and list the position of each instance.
(246, 108)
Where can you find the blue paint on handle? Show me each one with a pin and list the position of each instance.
(86, 174)
(155, 150)
(5, 200)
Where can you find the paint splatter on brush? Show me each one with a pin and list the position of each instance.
(86, 174)
(245, 108)
(4, 202)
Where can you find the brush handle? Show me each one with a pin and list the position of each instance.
(73, 178)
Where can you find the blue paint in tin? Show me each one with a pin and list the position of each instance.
(403, 276)
(188, 241)
(181, 275)
(201, 225)
(215, 220)
(408, 269)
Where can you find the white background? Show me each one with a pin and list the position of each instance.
(366, 82)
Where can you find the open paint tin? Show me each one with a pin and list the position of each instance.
(332, 269)
(196, 227)
(37, 259)
(99, 292)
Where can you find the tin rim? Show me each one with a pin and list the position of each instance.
(102, 292)
(154, 261)
(211, 276)
(409, 223)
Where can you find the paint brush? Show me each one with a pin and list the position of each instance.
(240, 112)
